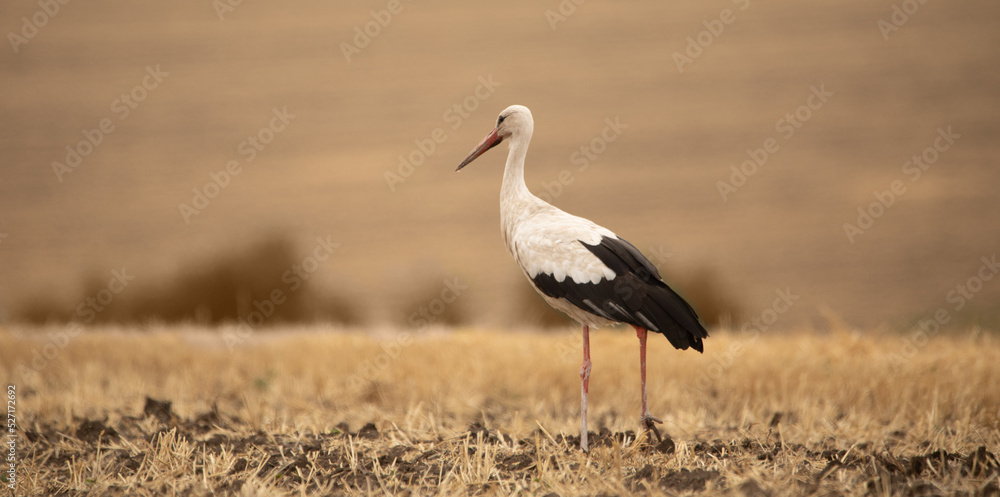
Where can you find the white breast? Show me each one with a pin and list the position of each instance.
(548, 241)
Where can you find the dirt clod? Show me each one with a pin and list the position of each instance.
(92, 431)
(395, 453)
(667, 446)
(751, 488)
(159, 409)
(776, 419)
(368, 432)
(686, 480)
(980, 462)
(517, 462)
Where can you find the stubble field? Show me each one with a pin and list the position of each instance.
(464, 412)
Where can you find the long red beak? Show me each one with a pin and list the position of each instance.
(491, 140)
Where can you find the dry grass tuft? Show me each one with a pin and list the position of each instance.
(220, 289)
(477, 413)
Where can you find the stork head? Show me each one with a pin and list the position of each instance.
(515, 121)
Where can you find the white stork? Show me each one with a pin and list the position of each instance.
(582, 269)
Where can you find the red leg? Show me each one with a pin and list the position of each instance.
(584, 387)
(646, 419)
(641, 333)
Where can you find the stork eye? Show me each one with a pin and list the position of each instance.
(500, 120)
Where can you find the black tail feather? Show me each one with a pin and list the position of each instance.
(641, 289)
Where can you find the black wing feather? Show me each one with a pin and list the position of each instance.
(637, 296)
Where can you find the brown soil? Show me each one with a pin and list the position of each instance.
(346, 460)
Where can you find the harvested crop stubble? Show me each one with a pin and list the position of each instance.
(466, 412)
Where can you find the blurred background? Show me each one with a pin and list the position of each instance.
(341, 125)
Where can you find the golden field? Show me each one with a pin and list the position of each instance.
(473, 412)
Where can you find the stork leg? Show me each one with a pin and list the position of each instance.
(646, 419)
(584, 387)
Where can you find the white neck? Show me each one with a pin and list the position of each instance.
(514, 188)
(516, 202)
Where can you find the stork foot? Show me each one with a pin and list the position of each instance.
(649, 422)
